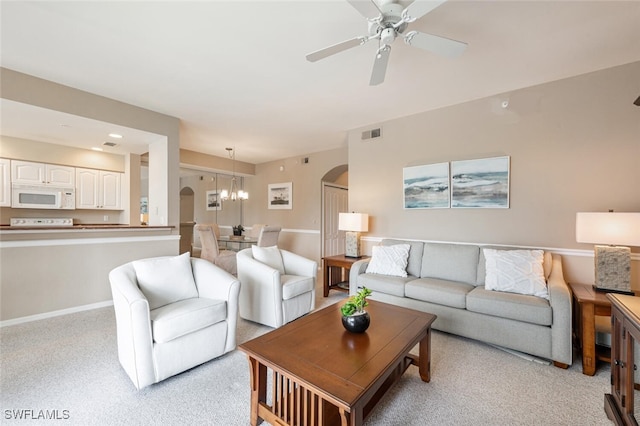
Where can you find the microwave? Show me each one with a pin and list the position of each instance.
(42, 197)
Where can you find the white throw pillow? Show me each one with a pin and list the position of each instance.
(516, 271)
(389, 260)
(270, 256)
(165, 280)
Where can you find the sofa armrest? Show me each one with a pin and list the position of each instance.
(133, 323)
(294, 264)
(359, 267)
(560, 301)
(214, 282)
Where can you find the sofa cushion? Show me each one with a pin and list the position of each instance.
(441, 292)
(384, 283)
(547, 264)
(414, 262)
(165, 280)
(516, 271)
(186, 316)
(294, 285)
(452, 262)
(389, 260)
(535, 310)
(270, 256)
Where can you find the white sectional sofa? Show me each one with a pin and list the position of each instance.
(448, 280)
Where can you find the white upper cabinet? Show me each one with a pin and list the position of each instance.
(98, 189)
(30, 173)
(5, 182)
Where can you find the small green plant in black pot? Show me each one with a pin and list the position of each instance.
(354, 318)
(237, 230)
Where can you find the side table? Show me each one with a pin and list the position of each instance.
(592, 312)
(336, 272)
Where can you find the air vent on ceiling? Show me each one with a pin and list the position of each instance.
(111, 144)
(372, 133)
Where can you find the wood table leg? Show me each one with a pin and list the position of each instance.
(424, 363)
(258, 388)
(588, 328)
(327, 272)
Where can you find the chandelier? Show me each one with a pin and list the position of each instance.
(233, 193)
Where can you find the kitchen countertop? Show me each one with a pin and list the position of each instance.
(81, 226)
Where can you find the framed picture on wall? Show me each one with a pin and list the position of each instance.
(482, 183)
(280, 195)
(213, 201)
(426, 187)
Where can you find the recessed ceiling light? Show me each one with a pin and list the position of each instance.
(95, 148)
(115, 136)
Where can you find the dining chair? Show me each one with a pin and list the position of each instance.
(255, 230)
(196, 245)
(226, 259)
(269, 236)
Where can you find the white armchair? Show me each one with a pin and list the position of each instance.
(277, 286)
(172, 314)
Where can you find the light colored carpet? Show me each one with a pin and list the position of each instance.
(70, 363)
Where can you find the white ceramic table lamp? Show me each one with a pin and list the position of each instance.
(612, 261)
(353, 223)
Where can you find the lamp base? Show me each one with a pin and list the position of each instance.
(613, 268)
(352, 244)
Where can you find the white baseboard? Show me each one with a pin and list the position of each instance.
(52, 314)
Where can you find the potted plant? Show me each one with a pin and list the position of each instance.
(354, 318)
(237, 230)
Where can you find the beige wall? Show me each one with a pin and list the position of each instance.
(301, 225)
(574, 146)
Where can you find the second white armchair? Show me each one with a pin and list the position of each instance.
(277, 286)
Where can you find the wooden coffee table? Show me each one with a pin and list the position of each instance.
(321, 374)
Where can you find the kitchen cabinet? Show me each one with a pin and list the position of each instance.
(30, 173)
(98, 189)
(5, 182)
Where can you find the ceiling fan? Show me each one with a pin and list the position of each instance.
(388, 20)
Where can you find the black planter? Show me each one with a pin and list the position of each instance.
(237, 233)
(357, 323)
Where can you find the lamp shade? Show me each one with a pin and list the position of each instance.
(608, 228)
(355, 222)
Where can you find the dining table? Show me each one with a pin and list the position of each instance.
(236, 242)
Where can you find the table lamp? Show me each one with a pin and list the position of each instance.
(612, 261)
(353, 223)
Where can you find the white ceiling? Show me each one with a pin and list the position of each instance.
(235, 72)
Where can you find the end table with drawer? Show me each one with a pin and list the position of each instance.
(336, 272)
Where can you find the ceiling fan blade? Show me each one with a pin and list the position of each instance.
(380, 66)
(419, 8)
(433, 43)
(336, 48)
(367, 8)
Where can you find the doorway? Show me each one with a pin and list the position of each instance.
(186, 219)
(335, 200)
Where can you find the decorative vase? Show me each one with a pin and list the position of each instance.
(237, 232)
(356, 323)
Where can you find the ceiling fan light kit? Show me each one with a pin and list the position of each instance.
(387, 21)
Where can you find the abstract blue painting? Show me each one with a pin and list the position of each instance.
(482, 183)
